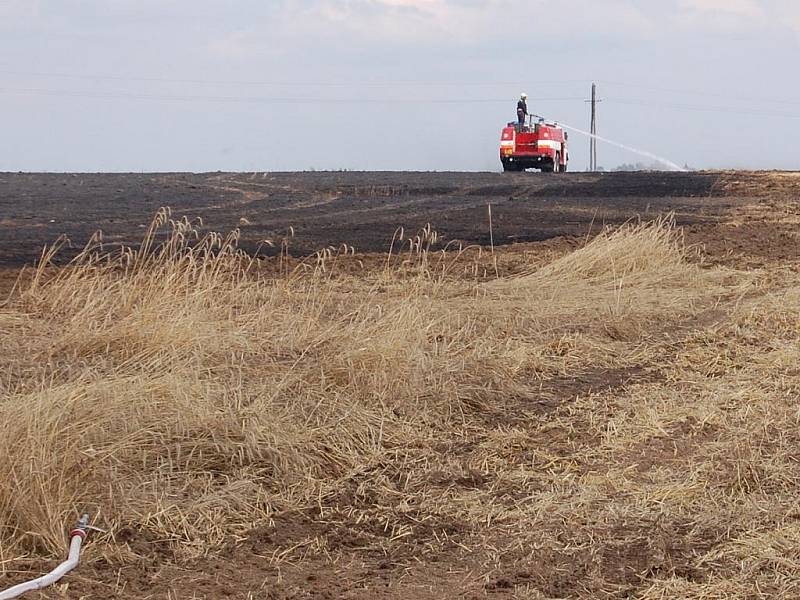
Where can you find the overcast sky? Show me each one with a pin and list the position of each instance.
(201, 85)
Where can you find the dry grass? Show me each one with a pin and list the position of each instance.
(621, 422)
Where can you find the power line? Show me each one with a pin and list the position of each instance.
(695, 93)
(733, 110)
(351, 83)
(122, 95)
(387, 84)
(263, 99)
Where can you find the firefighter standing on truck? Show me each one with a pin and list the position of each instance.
(522, 109)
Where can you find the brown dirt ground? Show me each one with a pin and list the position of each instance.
(742, 219)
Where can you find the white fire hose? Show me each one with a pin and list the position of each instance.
(77, 535)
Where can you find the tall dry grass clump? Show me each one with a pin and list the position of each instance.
(174, 388)
(178, 392)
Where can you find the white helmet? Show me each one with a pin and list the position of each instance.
(524, 96)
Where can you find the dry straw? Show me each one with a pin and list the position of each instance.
(622, 401)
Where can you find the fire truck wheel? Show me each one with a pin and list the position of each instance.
(557, 163)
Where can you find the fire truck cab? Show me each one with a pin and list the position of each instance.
(537, 145)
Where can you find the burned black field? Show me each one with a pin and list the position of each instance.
(362, 210)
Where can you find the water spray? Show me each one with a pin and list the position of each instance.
(645, 153)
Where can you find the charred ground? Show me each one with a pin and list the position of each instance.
(362, 210)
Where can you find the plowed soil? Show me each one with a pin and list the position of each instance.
(743, 219)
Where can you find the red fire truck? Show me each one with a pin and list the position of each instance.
(538, 145)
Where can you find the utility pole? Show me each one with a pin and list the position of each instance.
(593, 130)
